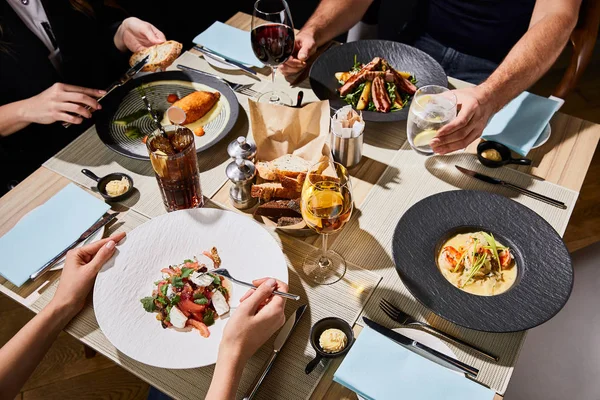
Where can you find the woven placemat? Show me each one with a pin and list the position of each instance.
(287, 380)
(367, 241)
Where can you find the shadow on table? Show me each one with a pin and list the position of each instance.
(443, 168)
(491, 342)
(394, 137)
(217, 154)
(371, 171)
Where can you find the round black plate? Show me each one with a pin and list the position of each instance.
(402, 57)
(545, 274)
(126, 99)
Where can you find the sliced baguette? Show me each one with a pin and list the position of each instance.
(270, 190)
(293, 183)
(290, 165)
(161, 56)
(264, 170)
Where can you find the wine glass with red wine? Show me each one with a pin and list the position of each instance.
(272, 39)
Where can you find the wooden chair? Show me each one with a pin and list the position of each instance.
(583, 40)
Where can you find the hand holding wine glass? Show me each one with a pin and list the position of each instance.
(326, 207)
(272, 37)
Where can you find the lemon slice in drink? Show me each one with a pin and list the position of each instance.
(423, 138)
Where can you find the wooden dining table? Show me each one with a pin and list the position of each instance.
(563, 160)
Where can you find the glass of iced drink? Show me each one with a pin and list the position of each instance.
(176, 167)
(431, 108)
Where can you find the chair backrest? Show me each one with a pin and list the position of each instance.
(583, 40)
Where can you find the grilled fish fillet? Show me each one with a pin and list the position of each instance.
(197, 104)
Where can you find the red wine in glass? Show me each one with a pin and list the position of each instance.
(272, 38)
(273, 44)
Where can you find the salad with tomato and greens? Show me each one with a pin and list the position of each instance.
(188, 295)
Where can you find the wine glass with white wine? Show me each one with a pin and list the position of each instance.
(326, 206)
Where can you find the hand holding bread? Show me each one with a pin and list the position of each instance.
(161, 55)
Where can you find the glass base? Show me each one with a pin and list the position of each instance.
(275, 97)
(324, 271)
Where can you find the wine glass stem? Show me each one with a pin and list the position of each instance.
(273, 71)
(324, 260)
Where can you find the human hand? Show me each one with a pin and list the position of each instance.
(305, 46)
(134, 35)
(56, 102)
(81, 267)
(258, 317)
(474, 110)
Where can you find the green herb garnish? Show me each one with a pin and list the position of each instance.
(209, 318)
(216, 280)
(175, 300)
(357, 66)
(188, 261)
(186, 272)
(177, 281)
(354, 97)
(476, 267)
(492, 242)
(203, 300)
(161, 300)
(163, 289)
(148, 303)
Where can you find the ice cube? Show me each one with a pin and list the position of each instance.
(181, 139)
(160, 143)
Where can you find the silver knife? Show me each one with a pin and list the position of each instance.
(280, 340)
(120, 82)
(97, 225)
(209, 53)
(417, 347)
(495, 181)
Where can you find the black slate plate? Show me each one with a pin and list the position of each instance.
(126, 99)
(545, 274)
(402, 57)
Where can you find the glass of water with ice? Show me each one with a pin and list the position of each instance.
(432, 107)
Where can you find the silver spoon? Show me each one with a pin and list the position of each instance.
(223, 272)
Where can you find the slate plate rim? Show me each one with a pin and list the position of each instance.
(367, 44)
(105, 115)
(443, 299)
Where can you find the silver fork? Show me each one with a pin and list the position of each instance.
(223, 272)
(404, 319)
(236, 87)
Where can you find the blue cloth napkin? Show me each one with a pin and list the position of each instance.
(378, 368)
(230, 42)
(46, 231)
(519, 124)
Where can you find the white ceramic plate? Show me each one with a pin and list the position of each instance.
(247, 250)
(543, 138)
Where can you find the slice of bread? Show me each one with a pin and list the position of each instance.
(279, 208)
(161, 56)
(293, 183)
(289, 221)
(270, 190)
(264, 170)
(286, 165)
(290, 165)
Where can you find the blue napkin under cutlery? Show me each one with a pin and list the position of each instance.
(230, 42)
(378, 368)
(46, 231)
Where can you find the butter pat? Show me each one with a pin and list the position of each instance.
(333, 340)
(116, 188)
